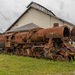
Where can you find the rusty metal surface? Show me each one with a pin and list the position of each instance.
(70, 47)
(73, 34)
(8, 40)
(50, 43)
(56, 32)
(41, 35)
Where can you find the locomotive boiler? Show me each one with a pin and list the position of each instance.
(50, 43)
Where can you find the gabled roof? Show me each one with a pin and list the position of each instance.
(41, 6)
(25, 27)
(41, 11)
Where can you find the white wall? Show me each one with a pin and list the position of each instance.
(54, 20)
(69, 25)
(41, 8)
(25, 19)
(39, 18)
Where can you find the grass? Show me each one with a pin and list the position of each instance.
(19, 65)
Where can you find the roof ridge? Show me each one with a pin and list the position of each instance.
(41, 6)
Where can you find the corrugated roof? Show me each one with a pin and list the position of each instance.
(25, 27)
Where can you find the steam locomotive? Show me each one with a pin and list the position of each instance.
(51, 43)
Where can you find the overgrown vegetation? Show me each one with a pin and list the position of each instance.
(19, 65)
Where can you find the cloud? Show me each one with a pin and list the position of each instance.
(62, 5)
(66, 10)
(1, 30)
(12, 9)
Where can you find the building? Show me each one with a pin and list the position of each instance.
(40, 16)
(24, 28)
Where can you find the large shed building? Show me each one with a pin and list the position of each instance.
(38, 15)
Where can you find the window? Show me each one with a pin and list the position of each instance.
(56, 24)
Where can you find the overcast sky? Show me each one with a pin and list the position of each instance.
(12, 9)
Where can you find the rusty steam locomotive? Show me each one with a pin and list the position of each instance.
(51, 43)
